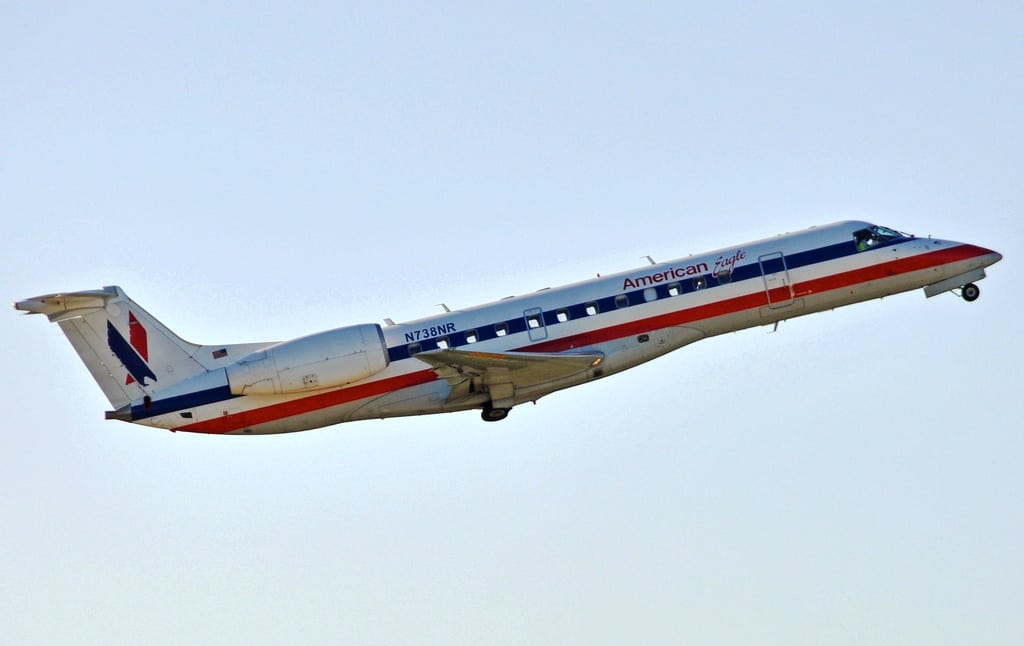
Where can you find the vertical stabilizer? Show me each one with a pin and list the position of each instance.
(129, 353)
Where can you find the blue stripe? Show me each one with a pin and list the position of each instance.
(576, 311)
(133, 363)
(182, 402)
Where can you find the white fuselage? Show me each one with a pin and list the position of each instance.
(494, 356)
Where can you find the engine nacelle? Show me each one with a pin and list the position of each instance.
(322, 360)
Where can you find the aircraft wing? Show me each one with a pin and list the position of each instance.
(503, 372)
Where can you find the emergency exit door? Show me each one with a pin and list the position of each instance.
(776, 279)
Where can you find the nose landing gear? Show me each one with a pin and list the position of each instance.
(970, 292)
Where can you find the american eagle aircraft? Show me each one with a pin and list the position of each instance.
(495, 356)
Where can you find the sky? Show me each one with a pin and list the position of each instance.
(259, 171)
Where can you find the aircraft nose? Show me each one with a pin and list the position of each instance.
(984, 257)
(991, 257)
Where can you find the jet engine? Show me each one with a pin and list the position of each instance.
(322, 360)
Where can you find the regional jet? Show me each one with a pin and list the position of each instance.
(495, 356)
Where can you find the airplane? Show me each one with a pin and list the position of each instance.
(495, 356)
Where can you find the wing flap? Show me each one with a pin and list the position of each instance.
(502, 373)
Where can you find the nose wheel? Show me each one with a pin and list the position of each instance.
(970, 292)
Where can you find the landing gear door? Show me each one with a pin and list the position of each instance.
(776, 279)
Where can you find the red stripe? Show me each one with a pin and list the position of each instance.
(247, 419)
(139, 340)
(760, 299)
(272, 413)
(138, 337)
(918, 262)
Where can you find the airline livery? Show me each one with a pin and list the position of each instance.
(494, 356)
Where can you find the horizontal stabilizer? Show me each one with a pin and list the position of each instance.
(58, 307)
(129, 353)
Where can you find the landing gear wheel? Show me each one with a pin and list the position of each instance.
(492, 414)
(970, 292)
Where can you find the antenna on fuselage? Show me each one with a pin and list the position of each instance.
(650, 260)
(389, 322)
(444, 306)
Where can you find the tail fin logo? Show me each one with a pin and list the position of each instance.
(139, 339)
(133, 354)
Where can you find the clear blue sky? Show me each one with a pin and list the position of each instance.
(257, 171)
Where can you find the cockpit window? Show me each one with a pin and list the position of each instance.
(875, 236)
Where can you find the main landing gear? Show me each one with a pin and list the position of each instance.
(492, 414)
(970, 292)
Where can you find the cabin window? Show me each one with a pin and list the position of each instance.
(591, 309)
(501, 329)
(443, 343)
(864, 240)
(533, 321)
(650, 294)
(622, 300)
(415, 348)
(724, 276)
(675, 289)
(472, 336)
(700, 282)
(562, 316)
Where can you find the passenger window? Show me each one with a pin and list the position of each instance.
(724, 276)
(443, 343)
(562, 316)
(501, 329)
(650, 294)
(591, 309)
(700, 282)
(675, 289)
(472, 336)
(622, 300)
(533, 321)
(414, 348)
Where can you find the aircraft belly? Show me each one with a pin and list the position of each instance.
(630, 351)
(293, 423)
(416, 400)
(413, 400)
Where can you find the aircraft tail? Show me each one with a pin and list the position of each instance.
(129, 353)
